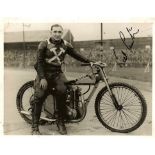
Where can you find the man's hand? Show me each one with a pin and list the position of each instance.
(91, 63)
(43, 84)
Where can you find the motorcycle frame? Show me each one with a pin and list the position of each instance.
(102, 77)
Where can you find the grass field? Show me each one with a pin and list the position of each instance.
(132, 73)
(127, 73)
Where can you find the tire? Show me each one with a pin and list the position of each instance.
(133, 105)
(25, 106)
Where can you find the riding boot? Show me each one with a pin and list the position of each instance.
(60, 121)
(35, 131)
(61, 127)
(60, 113)
(36, 112)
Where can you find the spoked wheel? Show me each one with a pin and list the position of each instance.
(133, 109)
(24, 96)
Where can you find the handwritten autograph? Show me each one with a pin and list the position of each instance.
(132, 35)
(128, 46)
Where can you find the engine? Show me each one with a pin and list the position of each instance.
(74, 105)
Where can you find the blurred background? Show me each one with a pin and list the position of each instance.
(96, 41)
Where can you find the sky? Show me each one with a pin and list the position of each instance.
(87, 31)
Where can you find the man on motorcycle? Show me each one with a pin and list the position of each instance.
(50, 56)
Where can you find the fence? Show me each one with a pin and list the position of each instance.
(139, 58)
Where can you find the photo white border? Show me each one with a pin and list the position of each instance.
(118, 12)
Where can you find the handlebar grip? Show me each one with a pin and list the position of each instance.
(85, 64)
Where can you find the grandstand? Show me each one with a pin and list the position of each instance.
(17, 52)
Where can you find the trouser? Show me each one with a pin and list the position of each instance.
(58, 82)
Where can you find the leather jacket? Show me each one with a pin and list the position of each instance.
(51, 54)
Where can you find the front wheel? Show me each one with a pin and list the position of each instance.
(127, 119)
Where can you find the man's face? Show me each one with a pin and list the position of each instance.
(56, 33)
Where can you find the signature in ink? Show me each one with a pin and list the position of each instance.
(132, 35)
(129, 47)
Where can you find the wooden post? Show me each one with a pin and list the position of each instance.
(115, 67)
(101, 34)
(24, 47)
(147, 69)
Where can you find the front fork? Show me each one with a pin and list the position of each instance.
(105, 79)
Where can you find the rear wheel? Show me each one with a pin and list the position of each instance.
(127, 119)
(24, 96)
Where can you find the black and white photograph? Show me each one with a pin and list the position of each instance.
(78, 78)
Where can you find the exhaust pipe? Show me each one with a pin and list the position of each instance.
(43, 118)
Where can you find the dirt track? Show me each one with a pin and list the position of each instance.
(15, 125)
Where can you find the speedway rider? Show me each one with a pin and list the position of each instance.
(50, 56)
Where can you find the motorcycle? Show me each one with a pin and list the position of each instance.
(119, 106)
